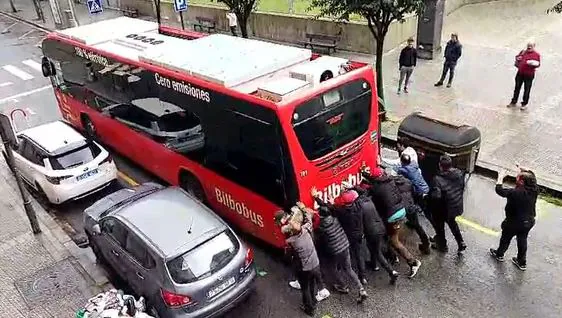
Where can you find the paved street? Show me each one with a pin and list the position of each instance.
(446, 286)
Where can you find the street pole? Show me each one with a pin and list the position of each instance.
(24, 195)
(181, 19)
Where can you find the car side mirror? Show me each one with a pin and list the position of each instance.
(96, 229)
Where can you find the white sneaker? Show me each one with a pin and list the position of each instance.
(322, 294)
(414, 269)
(295, 284)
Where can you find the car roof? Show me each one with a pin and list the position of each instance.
(156, 107)
(165, 217)
(55, 136)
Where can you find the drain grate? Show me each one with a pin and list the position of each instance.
(51, 283)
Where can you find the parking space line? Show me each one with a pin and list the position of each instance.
(17, 72)
(34, 65)
(31, 92)
(6, 84)
(127, 179)
(477, 226)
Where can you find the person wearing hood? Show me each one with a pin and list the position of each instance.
(331, 235)
(520, 212)
(388, 201)
(447, 199)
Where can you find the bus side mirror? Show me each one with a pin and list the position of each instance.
(47, 67)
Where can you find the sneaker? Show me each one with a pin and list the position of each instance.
(424, 249)
(406, 90)
(341, 289)
(398, 92)
(376, 268)
(462, 248)
(363, 281)
(495, 255)
(393, 277)
(448, 85)
(322, 294)
(523, 107)
(511, 105)
(295, 284)
(522, 267)
(414, 269)
(442, 249)
(438, 84)
(395, 260)
(362, 296)
(309, 312)
(432, 239)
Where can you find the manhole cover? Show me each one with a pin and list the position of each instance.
(51, 283)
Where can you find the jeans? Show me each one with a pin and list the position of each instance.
(309, 281)
(394, 230)
(343, 262)
(421, 201)
(375, 244)
(233, 30)
(440, 221)
(527, 82)
(413, 219)
(521, 232)
(405, 72)
(355, 247)
(448, 67)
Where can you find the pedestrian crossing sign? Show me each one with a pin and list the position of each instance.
(94, 6)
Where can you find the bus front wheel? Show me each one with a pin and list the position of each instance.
(189, 183)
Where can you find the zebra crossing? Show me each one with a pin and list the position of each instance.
(23, 71)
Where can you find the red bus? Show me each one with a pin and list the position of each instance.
(249, 127)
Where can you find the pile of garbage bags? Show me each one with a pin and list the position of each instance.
(113, 304)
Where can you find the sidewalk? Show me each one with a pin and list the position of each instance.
(44, 275)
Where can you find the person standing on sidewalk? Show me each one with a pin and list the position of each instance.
(447, 200)
(232, 22)
(527, 61)
(406, 64)
(520, 215)
(331, 235)
(453, 51)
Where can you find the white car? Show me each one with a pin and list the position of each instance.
(61, 164)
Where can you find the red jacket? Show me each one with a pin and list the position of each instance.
(522, 66)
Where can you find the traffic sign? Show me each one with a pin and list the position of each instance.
(180, 5)
(94, 6)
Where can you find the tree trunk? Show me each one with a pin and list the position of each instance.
(14, 10)
(378, 69)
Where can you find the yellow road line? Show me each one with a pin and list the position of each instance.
(477, 226)
(127, 179)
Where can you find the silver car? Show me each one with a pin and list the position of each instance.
(172, 250)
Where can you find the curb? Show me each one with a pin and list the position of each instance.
(490, 170)
(34, 24)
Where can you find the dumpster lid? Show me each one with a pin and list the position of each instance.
(419, 126)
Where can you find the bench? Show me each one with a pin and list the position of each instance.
(130, 12)
(329, 42)
(208, 24)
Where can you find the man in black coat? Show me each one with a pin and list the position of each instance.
(447, 199)
(332, 237)
(453, 51)
(520, 215)
(406, 64)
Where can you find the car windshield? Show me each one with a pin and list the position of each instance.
(204, 259)
(177, 121)
(333, 119)
(75, 157)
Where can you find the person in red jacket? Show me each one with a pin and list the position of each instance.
(527, 61)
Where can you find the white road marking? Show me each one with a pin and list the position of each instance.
(34, 65)
(31, 92)
(6, 84)
(26, 34)
(6, 30)
(17, 72)
(30, 111)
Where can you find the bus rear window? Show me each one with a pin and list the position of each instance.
(333, 119)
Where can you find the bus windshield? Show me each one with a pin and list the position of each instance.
(333, 118)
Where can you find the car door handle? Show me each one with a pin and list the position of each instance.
(114, 253)
(139, 275)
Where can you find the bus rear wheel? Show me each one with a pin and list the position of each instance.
(189, 183)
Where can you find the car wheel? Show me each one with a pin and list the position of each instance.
(89, 127)
(190, 184)
(42, 197)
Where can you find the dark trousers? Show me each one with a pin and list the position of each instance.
(414, 222)
(233, 30)
(521, 231)
(527, 82)
(341, 263)
(440, 221)
(376, 244)
(421, 201)
(355, 247)
(309, 281)
(448, 67)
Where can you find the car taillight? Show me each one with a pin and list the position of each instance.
(249, 258)
(174, 300)
(109, 159)
(57, 180)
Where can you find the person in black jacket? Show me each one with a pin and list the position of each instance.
(406, 63)
(447, 199)
(388, 201)
(331, 235)
(520, 215)
(453, 51)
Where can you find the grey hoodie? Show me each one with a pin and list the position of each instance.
(303, 246)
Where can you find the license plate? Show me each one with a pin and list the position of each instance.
(86, 175)
(217, 290)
